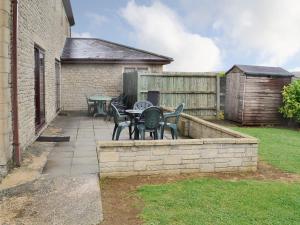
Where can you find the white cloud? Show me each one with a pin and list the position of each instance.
(295, 69)
(96, 19)
(158, 28)
(266, 29)
(82, 34)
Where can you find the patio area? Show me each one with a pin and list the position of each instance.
(79, 155)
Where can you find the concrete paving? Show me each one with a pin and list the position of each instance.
(59, 200)
(79, 156)
(68, 191)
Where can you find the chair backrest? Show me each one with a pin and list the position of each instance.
(153, 97)
(142, 105)
(151, 117)
(178, 111)
(87, 99)
(115, 113)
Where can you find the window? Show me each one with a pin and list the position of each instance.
(39, 87)
(142, 69)
(57, 84)
(132, 69)
(129, 69)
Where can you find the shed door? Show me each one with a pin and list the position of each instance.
(39, 88)
(233, 98)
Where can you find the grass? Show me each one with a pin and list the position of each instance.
(214, 201)
(278, 146)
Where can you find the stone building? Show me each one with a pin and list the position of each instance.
(36, 81)
(91, 66)
(32, 36)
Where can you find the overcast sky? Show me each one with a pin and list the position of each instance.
(202, 35)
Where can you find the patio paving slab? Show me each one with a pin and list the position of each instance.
(84, 160)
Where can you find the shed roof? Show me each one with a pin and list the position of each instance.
(98, 50)
(262, 70)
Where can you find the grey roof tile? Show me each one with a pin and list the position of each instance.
(91, 49)
(262, 70)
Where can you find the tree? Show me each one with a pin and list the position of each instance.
(291, 101)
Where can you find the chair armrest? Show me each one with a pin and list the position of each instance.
(169, 115)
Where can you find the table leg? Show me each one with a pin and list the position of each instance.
(136, 132)
(100, 108)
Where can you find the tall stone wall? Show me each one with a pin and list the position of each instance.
(81, 79)
(43, 23)
(5, 71)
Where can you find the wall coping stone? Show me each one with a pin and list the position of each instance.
(211, 125)
(103, 144)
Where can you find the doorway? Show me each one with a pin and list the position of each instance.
(39, 87)
(57, 84)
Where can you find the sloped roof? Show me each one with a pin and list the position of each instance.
(98, 50)
(262, 70)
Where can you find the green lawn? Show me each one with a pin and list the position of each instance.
(278, 147)
(219, 202)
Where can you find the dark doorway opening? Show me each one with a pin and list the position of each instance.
(57, 84)
(39, 87)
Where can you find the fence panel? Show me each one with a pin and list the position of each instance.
(199, 91)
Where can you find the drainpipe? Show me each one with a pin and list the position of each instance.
(14, 81)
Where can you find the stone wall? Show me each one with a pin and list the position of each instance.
(82, 79)
(214, 149)
(43, 23)
(196, 128)
(125, 158)
(5, 112)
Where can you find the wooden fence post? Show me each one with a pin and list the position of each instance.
(218, 93)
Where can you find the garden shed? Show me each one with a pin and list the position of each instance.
(253, 94)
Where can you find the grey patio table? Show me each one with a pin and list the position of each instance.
(134, 113)
(100, 102)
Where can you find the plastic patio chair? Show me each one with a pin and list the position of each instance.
(91, 106)
(120, 123)
(150, 122)
(172, 126)
(142, 105)
(120, 103)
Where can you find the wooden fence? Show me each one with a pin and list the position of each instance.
(199, 91)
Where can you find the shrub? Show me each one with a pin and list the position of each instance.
(291, 101)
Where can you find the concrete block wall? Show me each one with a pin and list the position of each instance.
(5, 71)
(82, 79)
(43, 23)
(126, 158)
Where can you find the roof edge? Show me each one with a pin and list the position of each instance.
(69, 11)
(115, 61)
(262, 73)
(126, 46)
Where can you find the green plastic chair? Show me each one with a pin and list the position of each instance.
(142, 105)
(150, 122)
(120, 123)
(172, 126)
(91, 105)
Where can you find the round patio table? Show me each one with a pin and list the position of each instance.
(100, 103)
(133, 114)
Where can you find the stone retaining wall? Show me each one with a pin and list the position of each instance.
(127, 158)
(216, 149)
